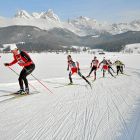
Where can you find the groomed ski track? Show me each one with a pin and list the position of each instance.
(108, 111)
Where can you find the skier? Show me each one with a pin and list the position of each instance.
(119, 66)
(24, 60)
(94, 66)
(105, 67)
(110, 65)
(74, 68)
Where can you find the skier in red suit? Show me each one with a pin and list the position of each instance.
(24, 60)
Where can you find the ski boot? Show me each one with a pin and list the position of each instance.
(21, 91)
(27, 90)
(71, 83)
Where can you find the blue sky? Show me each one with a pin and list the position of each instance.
(101, 10)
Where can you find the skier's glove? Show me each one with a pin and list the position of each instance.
(78, 69)
(6, 64)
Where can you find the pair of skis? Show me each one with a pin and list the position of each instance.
(15, 95)
(65, 85)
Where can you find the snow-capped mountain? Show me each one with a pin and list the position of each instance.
(43, 15)
(23, 14)
(92, 26)
(124, 27)
(85, 22)
(82, 25)
(88, 26)
(51, 15)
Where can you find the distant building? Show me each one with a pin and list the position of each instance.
(96, 51)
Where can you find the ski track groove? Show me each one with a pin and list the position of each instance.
(54, 138)
(74, 120)
(85, 122)
(45, 122)
(76, 116)
(97, 104)
(43, 131)
(108, 119)
(30, 121)
(54, 116)
(20, 134)
(91, 114)
(92, 122)
(79, 92)
(87, 113)
(63, 119)
(135, 128)
(99, 124)
(49, 109)
(124, 124)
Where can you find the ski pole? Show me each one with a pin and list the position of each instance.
(18, 75)
(40, 82)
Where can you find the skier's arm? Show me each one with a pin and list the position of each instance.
(68, 67)
(91, 64)
(109, 63)
(78, 65)
(123, 64)
(100, 64)
(114, 63)
(97, 63)
(13, 62)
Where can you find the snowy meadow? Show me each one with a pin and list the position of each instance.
(108, 111)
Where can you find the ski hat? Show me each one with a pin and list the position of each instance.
(69, 56)
(13, 47)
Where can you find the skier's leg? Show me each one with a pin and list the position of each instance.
(25, 82)
(108, 69)
(121, 69)
(70, 74)
(28, 70)
(90, 72)
(103, 73)
(118, 70)
(112, 69)
(94, 74)
(110, 72)
(79, 73)
(20, 79)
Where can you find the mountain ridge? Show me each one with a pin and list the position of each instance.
(81, 25)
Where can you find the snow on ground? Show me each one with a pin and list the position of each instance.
(108, 111)
(132, 48)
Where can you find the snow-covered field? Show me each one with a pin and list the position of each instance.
(108, 111)
(132, 48)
